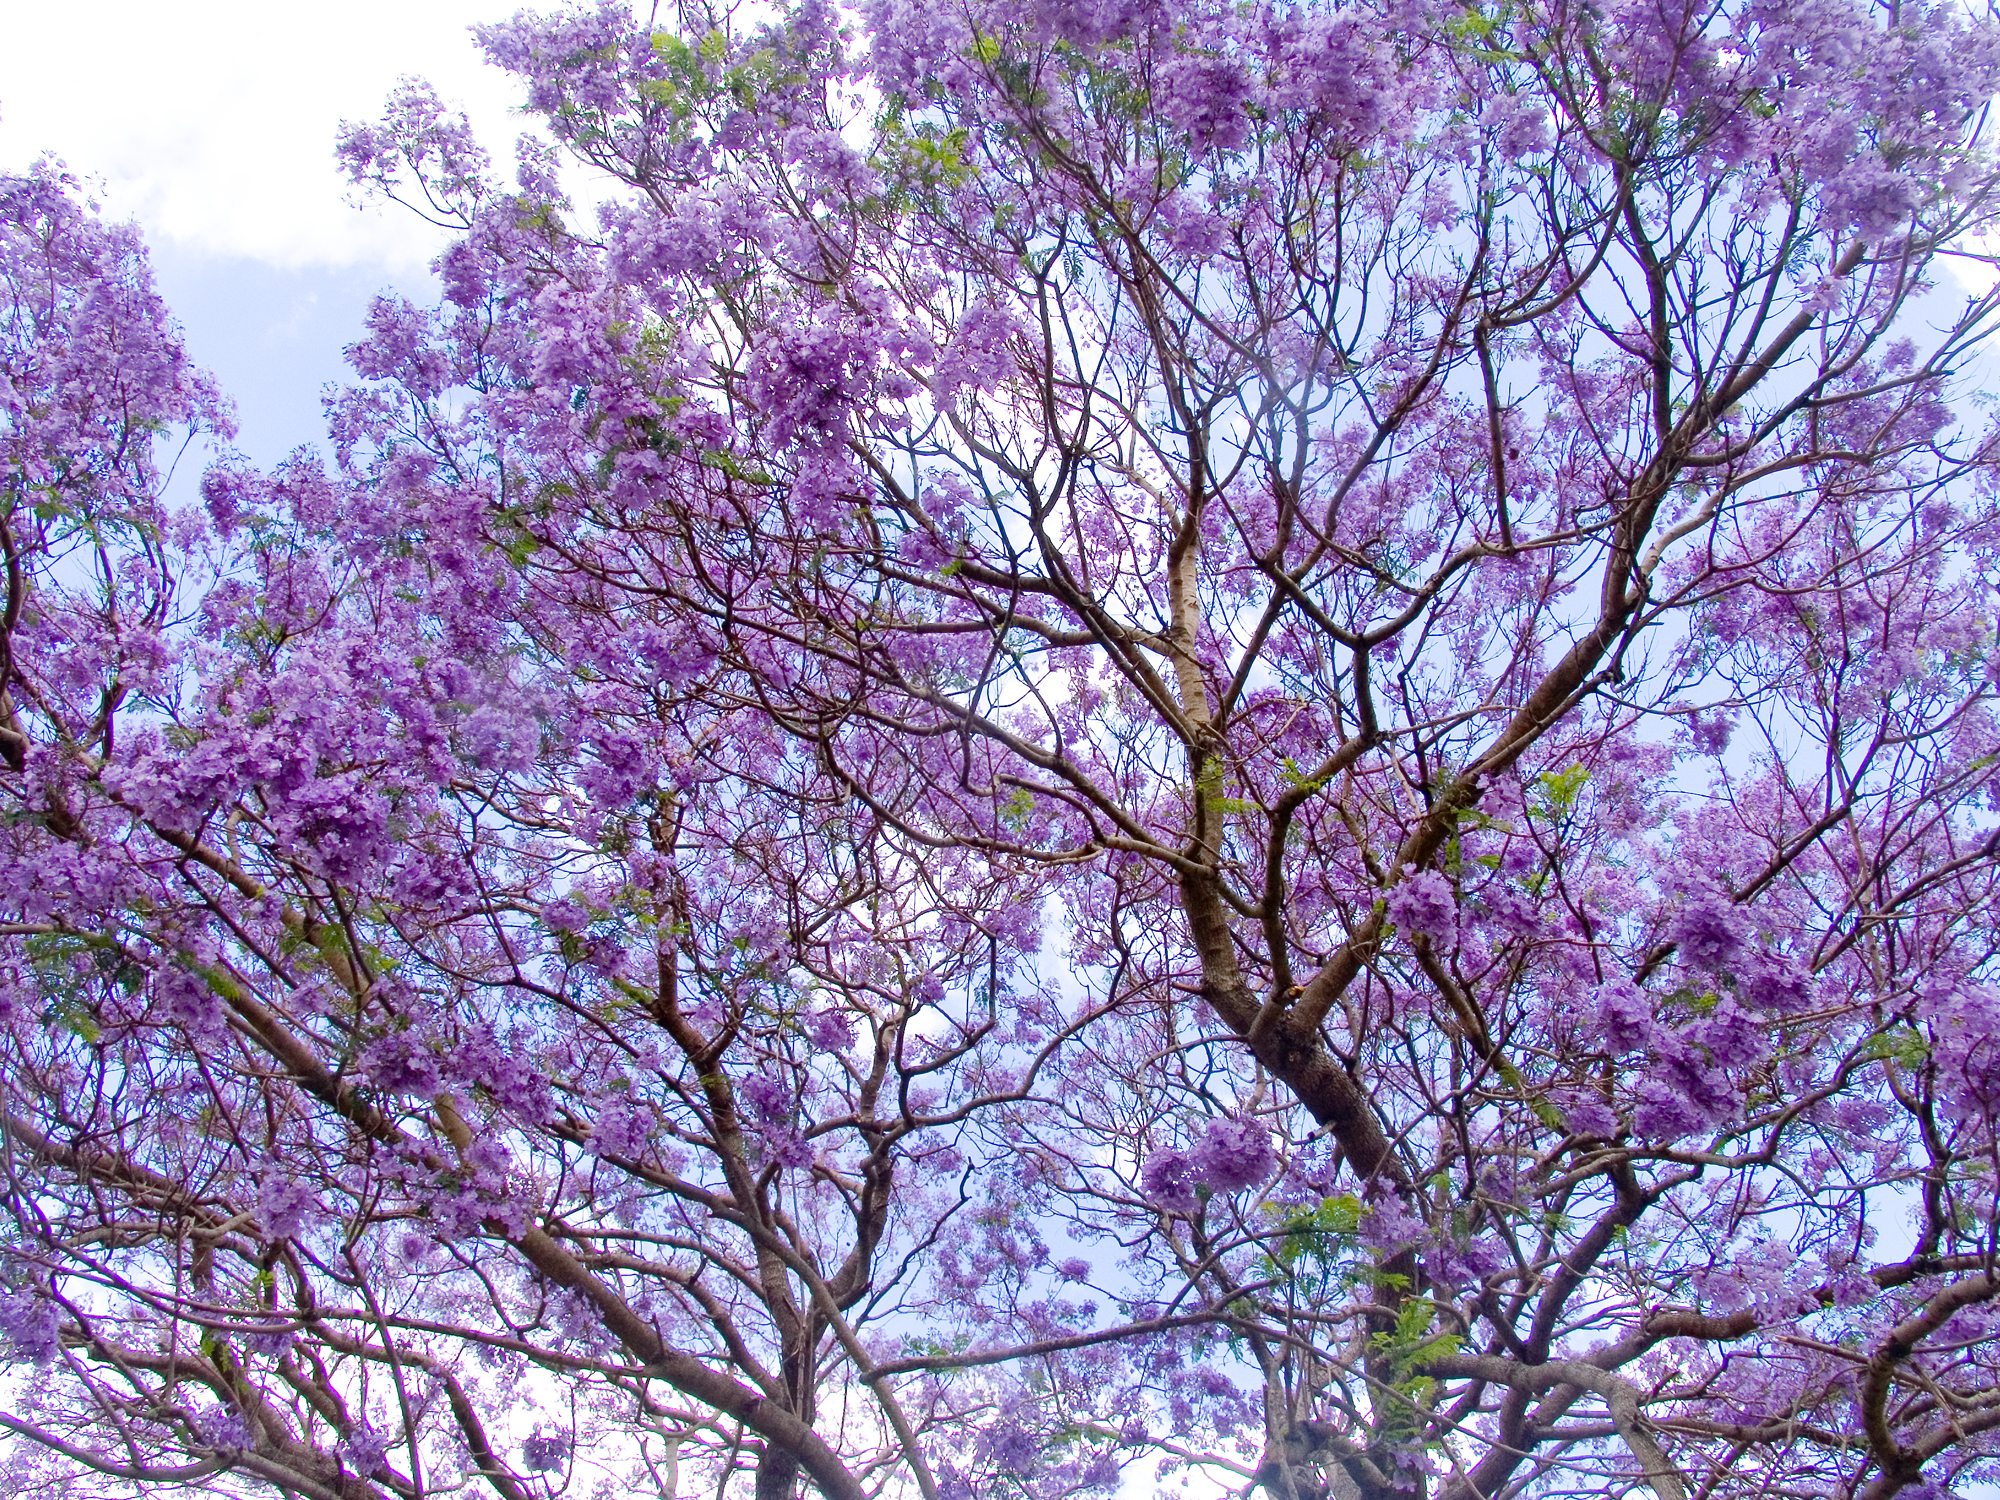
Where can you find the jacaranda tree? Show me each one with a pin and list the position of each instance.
(1251, 740)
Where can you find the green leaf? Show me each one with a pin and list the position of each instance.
(74, 1017)
(1555, 793)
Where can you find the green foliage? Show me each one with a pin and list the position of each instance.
(1017, 810)
(944, 1350)
(1554, 794)
(924, 160)
(74, 1016)
(1313, 1232)
(1317, 1251)
(54, 957)
(1293, 777)
(1208, 786)
(1406, 1397)
(1902, 1045)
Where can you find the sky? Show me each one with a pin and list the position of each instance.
(211, 123)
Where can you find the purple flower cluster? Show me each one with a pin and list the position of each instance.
(1229, 1156)
(1963, 1021)
(545, 1452)
(362, 1448)
(774, 1118)
(30, 1323)
(624, 1127)
(1423, 904)
(1709, 930)
(829, 1029)
(225, 1428)
(285, 1206)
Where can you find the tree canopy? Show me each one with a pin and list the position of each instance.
(1105, 743)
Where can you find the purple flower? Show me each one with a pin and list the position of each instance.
(1011, 1444)
(228, 493)
(623, 1128)
(807, 375)
(767, 1100)
(1591, 1116)
(1964, 1022)
(1709, 730)
(283, 1206)
(679, 656)
(789, 1149)
(624, 768)
(31, 1324)
(363, 1449)
(1235, 1154)
(1101, 1472)
(1423, 904)
(564, 915)
(1169, 1179)
(1731, 1037)
(499, 739)
(829, 1030)
(1231, 1155)
(774, 1118)
(503, 1069)
(402, 1064)
(1520, 129)
(1512, 911)
(1207, 97)
(414, 1249)
(191, 1001)
(225, 1427)
(545, 1452)
(1771, 982)
(270, 1342)
(1389, 1226)
(1709, 930)
(976, 356)
(1624, 1016)
(1666, 1112)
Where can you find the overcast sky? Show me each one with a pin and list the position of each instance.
(211, 123)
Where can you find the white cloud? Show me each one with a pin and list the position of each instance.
(212, 122)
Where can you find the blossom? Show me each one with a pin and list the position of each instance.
(829, 1029)
(889, 675)
(31, 1324)
(225, 1427)
(1234, 1155)
(545, 1452)
(624, 1127)
(284, 1206)
(363, 1448)
(1423, 904)
(1624, 1016)
(1709, 929)
(1229, 1156)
